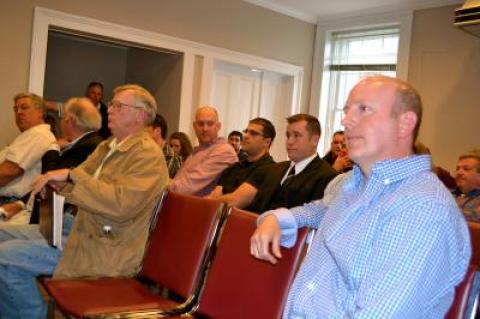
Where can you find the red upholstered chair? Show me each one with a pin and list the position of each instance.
(474, 228)
(175, 258)
(238, 286)
(465, 302)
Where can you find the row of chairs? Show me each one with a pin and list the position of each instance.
(199, 250)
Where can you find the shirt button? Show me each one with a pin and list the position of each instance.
(311, 286)
(386, 181)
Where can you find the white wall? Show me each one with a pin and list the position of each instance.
(230, 24)
(72, 63)
(445, 68)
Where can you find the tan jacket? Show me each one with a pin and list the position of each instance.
(122, 198)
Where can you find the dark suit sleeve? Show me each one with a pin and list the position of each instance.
(258, 176)
(50, 160)
(322, 182)
(79, 153)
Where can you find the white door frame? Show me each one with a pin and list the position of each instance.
(47, 19)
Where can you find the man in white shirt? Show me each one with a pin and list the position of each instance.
(20, 161)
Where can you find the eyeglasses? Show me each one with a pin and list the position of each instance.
(252, 132)
(116, 105)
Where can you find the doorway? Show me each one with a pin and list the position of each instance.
(73, 61)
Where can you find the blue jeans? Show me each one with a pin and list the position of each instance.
(24, 255)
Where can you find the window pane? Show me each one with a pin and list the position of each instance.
(350, 56)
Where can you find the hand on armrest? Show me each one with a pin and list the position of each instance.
(267, 235)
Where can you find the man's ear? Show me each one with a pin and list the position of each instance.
(268, 142)
(407, 122)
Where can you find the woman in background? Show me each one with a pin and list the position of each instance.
(181, 145)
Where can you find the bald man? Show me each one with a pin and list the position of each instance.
(201, 171)
(391, 241)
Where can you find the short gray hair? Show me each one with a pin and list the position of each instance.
(36, 99)
(142, 97)
(473, 154)
(84, 114)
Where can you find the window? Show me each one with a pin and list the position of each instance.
(350, 56)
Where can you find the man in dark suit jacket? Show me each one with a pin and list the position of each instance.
(80, 122)
(95, 94)
(290, 183)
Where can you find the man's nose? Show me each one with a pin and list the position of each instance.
(347, 119)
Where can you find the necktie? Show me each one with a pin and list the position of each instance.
(291, 172)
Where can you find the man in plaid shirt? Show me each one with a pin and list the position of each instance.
(391, 241)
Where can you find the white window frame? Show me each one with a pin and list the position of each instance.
(402, 20)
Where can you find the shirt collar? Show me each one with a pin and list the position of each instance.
(300, 166)
(391, 171)
(75, 141)
(127, 142)
(204, 146)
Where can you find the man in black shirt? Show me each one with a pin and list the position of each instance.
(258, 137)
(290, 183)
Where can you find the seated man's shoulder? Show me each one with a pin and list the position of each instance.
(92, 139)
(426, 186)
(267, 174)
(271, 168)
(427, 191)
(322, 168)
(223, 147)
(37, 135)
(145, 143)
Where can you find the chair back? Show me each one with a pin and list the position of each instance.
(474, 229)
(241, 286)
(465, 302)
(179, 244)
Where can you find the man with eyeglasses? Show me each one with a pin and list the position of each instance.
(257, 140)
(200, 172)
(115, 190)
(290, 183)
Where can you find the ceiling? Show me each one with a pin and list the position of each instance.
(315, 10)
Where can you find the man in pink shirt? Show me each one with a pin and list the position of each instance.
(200, 172)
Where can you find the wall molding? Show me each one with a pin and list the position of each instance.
(47, 19)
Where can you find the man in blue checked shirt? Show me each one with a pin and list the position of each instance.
(391, 242)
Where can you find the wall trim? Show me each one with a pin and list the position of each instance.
(47, 19)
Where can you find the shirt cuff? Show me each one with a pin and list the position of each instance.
(288, 225)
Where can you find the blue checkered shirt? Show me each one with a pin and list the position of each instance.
(393, 245)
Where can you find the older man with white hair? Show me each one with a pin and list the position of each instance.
(115, 190)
